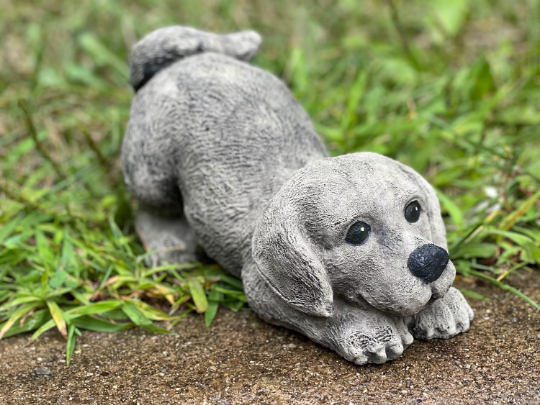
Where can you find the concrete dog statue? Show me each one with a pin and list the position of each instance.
(349, 251)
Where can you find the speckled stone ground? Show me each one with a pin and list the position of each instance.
(243, 360)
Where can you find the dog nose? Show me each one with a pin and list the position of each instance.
(428, 262)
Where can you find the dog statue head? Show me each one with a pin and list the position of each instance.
(362, 227)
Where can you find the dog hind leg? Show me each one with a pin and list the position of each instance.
(170, 238)
(150, 173)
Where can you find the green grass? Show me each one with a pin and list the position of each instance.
(449, 88)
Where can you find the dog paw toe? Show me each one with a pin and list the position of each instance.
(359, 360)
(444, 318)
(377, 355)
(375, 346)
(394, 351)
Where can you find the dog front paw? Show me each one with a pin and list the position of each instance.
(370, 342)
(443, 319)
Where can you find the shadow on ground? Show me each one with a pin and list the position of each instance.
(243, 360)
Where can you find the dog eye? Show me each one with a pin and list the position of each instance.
(358, 233)
(412, 212)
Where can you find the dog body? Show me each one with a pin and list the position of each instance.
(226, 135)
(349, 251)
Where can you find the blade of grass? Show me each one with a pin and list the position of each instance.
(181, 316)
(138, 317)
(473, 294)
(511, 270)
(94, 308)
(19, 313)
(31, 323)
(213, 304)
(504, 287)
(233, 282)
(452, 208)
(39, 145)
(197, 293)
(58, 317)
(511, 219)
(100, 325)
(238, 295)
(70, 346)
(8, 228)
(152, 312)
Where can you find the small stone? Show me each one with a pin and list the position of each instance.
(42, 370)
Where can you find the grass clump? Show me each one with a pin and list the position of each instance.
(449, 88)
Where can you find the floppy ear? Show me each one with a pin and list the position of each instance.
(286, 261)
(433, 210)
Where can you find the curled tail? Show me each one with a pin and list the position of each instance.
(166, 45)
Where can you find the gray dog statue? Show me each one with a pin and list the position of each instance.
(349, 251)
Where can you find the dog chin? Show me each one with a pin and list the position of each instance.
(412, 311)
(438, 290)
(406, 311)
(435, 295)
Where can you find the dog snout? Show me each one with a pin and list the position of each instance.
(428, 262)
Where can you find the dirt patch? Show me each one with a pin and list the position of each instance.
(243, 360)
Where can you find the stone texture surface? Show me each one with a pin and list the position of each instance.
(241, 359)
(223, 158)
